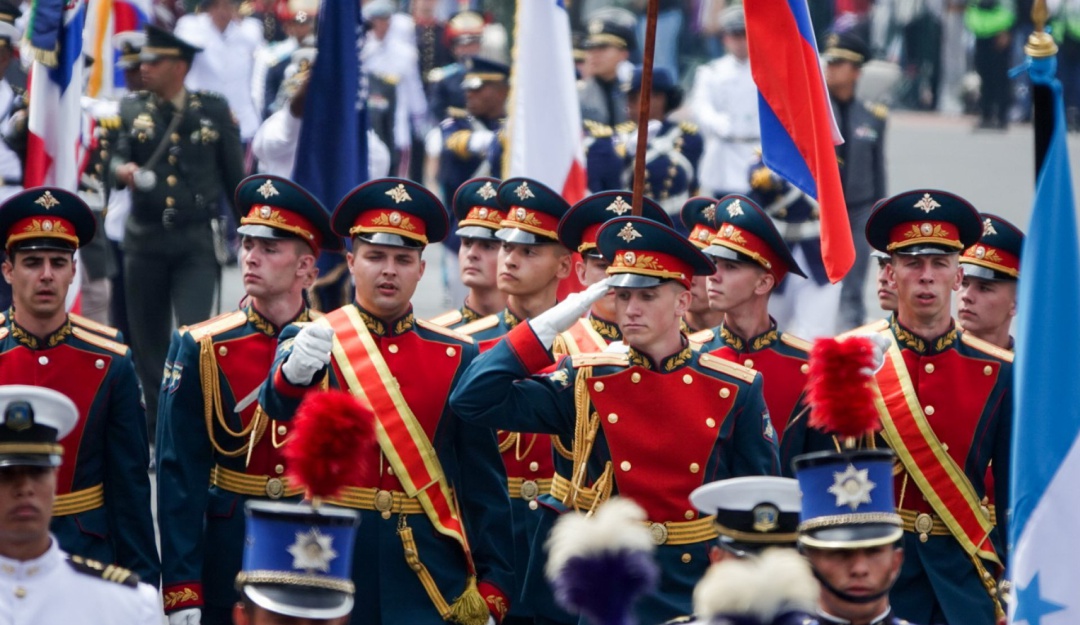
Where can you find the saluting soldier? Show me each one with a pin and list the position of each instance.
(751, 260)
(988, 289)
(436, 543)
(179, 152)
(946, 408)
(41, 581)
(479, 216)
(715, 418)
(699, 218)
(211, 429)
(102, 507)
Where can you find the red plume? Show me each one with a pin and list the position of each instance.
(841, 396)
(332, 444)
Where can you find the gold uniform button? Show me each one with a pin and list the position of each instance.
(223, 351)
(613, 418)
(929, 368)
(598, 387)
(635, 377)
(175, 137)
(625, 465)
(689, 514)
(282, 430)
(710, 422)
(393, 349)
(687, 378)
(987, 370)
(279, 469)
(724, 393)
(805, 368)
(686, 558)
(694, 467)
(450, 351)
(929, 410)
(534, 466)
(20, 592)
(170, 202)
(171, 180)
(749, 363)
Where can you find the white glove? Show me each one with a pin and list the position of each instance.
(880, 344)
(490, 621)
(310, 353)
(480, 140)
(190, 616)
(548, 324)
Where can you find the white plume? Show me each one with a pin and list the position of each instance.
(617, 524)
(778, 581)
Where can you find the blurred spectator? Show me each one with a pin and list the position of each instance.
(990, 21)
(227, 61)
(602, 94)
(464, 31)
(272, 58)
(954, 58)
(268, 14)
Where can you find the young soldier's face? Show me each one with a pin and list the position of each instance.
(699, 295)
(986, 305)
(255, 615)
(479, 262)
(651, 315)
(924, 285)
(859, 573)
(39, 280)
(591, 270)
(886, 293)
(528, 269)
(274, 267)
(385, 276)
(736, 283)
(26, 501)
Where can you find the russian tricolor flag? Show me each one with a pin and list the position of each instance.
(798, 130)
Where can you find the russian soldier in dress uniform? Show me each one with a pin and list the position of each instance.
(479, 215)
(211, 429)
(39, 580)
(946, 408)
(613, 401)
(988, 290)
(751, 260)
(436, 544)
(179, 152)
(102, 508)
(699, 218)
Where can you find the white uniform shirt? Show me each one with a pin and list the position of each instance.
(395, 59)
(724, 103)
(48, 591)
(226, 64)
(276, 141)
(10, 165)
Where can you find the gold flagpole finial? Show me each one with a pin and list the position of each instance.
(1040, 44)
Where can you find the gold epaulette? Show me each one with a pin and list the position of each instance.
(247, 8)
(446, 319)
(793, 341)
(458, 143)
(100, 341)
(598, 130)
(599, 359)
(871, 328)
(728, 368)
(689, 127)
(877, 109)
(986, 347)
(109, 122)
(94, 326)
(217, 325)
(454, 334)
(761, 179)
(702, 336)
(456, 112)
(625, 127)
(107, 572)
(481, 324)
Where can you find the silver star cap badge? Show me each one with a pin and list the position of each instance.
(487, 191)
(312, 551)
(852, 487)
(47, 200)
(399, 194)
(267, 190)
(628, 233)
(988, 227)
(619, 206)
(709, 212)
(523, 191)
(927, 203)
(735, 209)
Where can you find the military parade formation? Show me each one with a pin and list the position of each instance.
(684, 374)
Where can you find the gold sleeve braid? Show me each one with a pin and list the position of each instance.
(212, 404)
(586, 426)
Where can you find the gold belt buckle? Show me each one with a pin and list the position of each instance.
(275, 488)
(384, 502)
(659, 533)
(924, 523)
(529, 490)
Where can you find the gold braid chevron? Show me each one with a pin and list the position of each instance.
(212, 405)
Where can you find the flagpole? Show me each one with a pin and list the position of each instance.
(644, 102)
(1040, 45)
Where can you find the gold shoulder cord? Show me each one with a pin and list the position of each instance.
(211, 388)
(586, 426)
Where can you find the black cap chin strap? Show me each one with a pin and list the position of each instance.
(847, 597)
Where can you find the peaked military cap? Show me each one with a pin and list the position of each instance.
(533, 211)
(33, 419)
(923, 221)
(391, 211)
(278, 208)
(46, 218)
(997, 254)
(476, 206)
(161, 44)
(746, 233)
(377, 9)
(129, 44)
(645, 253)
(479, 70)
(662, 82)
(298, 560)
(845, 46)
(733, 19)
(579, 227)
(847, 499)
(607, 32)
(753, 512)
(465, 27)
(699, 217)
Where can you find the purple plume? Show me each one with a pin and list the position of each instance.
(604, 585)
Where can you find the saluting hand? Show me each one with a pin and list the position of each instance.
(310, 353)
